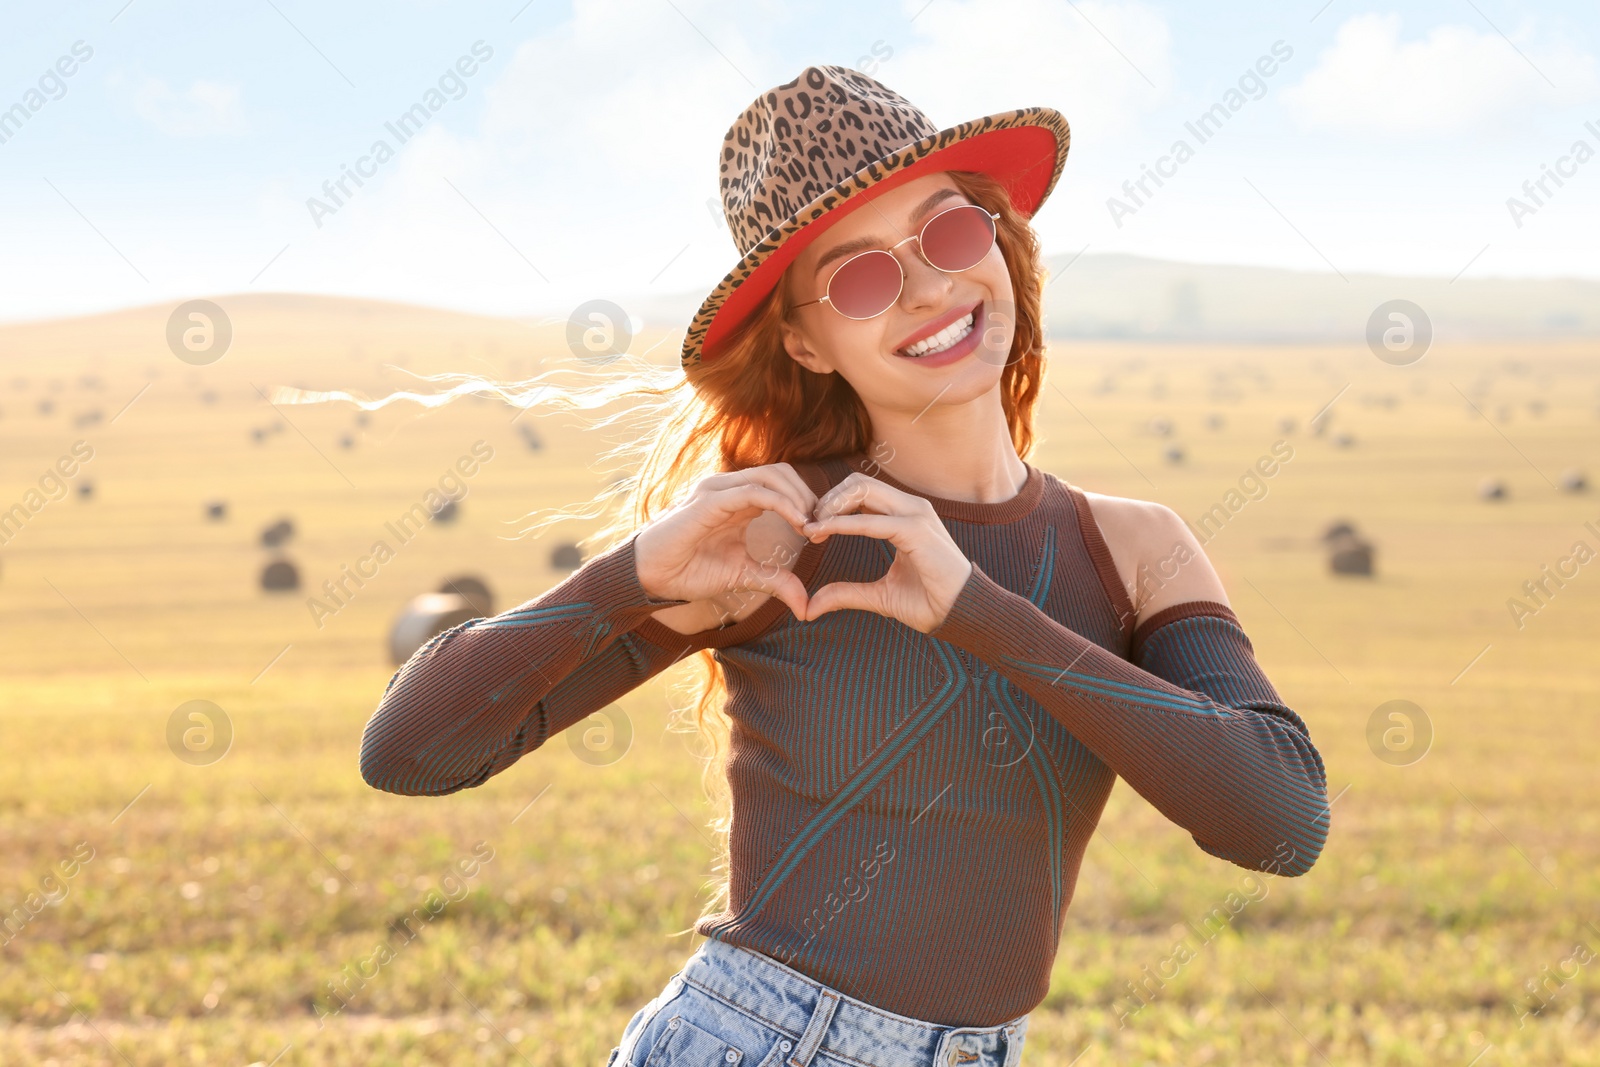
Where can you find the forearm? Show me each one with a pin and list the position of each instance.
(1219, 755)
(477, 697)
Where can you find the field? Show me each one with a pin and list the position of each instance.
(1452, 918)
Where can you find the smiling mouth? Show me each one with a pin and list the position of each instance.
(951, 335)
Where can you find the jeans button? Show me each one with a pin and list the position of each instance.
(785, 1045)
(672, 1024)
(731, 1056)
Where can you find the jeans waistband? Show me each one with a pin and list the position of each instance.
(820, 1018)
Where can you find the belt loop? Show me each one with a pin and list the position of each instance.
(811, 1040)
(1014, 1033)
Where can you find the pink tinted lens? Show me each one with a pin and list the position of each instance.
(866, 285)
(958, 238)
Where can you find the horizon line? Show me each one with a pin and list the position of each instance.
(543, 311)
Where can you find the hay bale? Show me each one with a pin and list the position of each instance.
(258, 435)
(1174, 454)
(1354, 556)
(531, 437)
(1161, 426)
(447, 512)
(1286, 424)
(1343, 439)
(346, 441)
(472, 589)
(1338, 531)
(85, 490)
(423, 617)
(1574, 481)
(1215, 421)
(1493, 489)
(280, 576)
(46, 407)
(566, 557)
(277, 533)
(216, 510)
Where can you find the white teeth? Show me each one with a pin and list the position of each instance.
(941, 340)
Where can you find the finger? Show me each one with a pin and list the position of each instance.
(783, 584)
(736, 498)
(859, 491)
(805, 496)
(792, 591)
(837, 595)
(892, 528)
(780, 478)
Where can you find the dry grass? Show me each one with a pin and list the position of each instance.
(218, 905)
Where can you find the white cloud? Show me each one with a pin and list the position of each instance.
(590, 165)
(204, 109)
(1101, 64)
(596, 154)
(1455, 79)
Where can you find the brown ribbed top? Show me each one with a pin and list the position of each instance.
(910, 810)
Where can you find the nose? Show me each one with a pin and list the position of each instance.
(926, 285)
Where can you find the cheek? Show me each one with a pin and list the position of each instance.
(994, 282)
(996, 276)
(851, 348)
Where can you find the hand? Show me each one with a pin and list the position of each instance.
(929, 569)
(736, 531)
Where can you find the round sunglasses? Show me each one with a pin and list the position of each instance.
(868, 283)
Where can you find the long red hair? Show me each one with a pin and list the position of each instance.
(753, 405)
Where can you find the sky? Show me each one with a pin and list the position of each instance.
(186, 152)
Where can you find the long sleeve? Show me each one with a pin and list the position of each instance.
(477, 697)
(1197, 730)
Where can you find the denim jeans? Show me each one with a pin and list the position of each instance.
(731, 1007)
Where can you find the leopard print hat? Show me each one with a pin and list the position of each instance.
(831, 140)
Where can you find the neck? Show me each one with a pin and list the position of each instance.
(959, 453)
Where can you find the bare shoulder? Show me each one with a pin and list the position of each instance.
(1157, 556)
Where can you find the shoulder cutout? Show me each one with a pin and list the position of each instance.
(1159, 561)
(1105, 563)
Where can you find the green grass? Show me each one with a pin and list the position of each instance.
(220, 902)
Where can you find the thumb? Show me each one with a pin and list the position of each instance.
(784, 585)
(837, 595)
(792, 591)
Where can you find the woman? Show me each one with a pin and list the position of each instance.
(939, 658)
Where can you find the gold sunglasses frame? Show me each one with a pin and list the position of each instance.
(826, 298)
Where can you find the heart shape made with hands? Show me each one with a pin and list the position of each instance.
(773, 543)
(905, 592)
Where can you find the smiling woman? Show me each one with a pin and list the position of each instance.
(918, 646)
